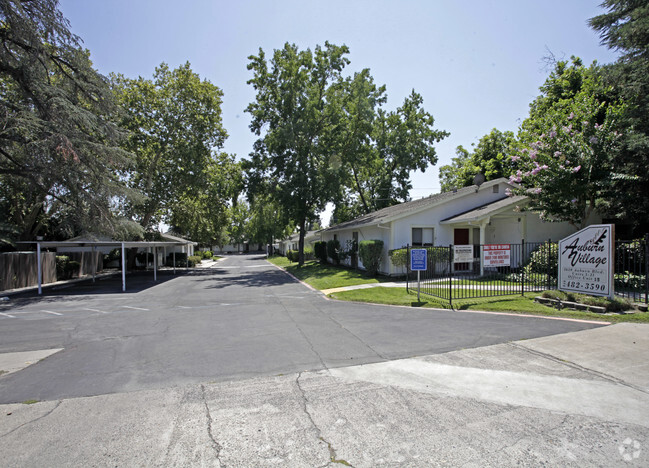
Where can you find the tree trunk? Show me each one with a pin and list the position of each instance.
(300, 256)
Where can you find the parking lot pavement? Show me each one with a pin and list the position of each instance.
(238, 319)
(542, 402)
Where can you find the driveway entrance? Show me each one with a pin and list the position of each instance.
(242, 318)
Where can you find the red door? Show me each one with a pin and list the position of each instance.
(461, 237)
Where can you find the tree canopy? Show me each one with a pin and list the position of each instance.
(398, 143)
(295, 116)
(569, 144)
(625, 28)
(491, 157)
(60, 163)
(175, 132)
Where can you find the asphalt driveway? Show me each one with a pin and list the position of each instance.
(241, 318)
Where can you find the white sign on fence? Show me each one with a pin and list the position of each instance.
(462, 253)
(586, 261)
(496, 255)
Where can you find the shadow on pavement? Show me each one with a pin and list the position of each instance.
(221, 278)
(135, 282)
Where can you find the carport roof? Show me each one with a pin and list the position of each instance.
(101, 243)
(89, 243)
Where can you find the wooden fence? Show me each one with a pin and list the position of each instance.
(86, 261)
(20, 269)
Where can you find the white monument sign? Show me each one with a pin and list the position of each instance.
(586, 261)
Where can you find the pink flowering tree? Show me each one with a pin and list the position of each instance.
(565, 164)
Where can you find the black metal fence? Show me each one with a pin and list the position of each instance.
(510, 269)
(631, 267)
(486, 271)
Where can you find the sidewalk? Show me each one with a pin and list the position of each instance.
(579, 399)
(401, 284)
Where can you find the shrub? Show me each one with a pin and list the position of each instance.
(194, 260)
(371, 253)
(399, 257)
(292, 255)
(308, 254)
(333, 247)
(438, 254)
(115, 254)
(66, 268)
(628, 280)
(347, 251)
(61, 263)
(320, 251)
(181, 259)
(207, 254)
(543, 261)
(144, 257)
(72, 268)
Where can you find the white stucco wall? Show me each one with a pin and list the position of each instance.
(364, 233)
(509, 227)
(443, 234)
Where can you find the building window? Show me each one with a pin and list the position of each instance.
(422, 237)
(496, 188)
(355, 239)
(335, 237)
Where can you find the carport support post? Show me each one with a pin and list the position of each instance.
(123, 268)
(94, 263)
(155, 264)
(40, 268)
(174, 259)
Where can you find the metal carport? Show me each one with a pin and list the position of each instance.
(94, 244)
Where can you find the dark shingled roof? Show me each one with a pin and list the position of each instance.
(485, 210)
(402, 209)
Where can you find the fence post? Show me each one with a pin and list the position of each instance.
(450, 275)
(547, 278)
(522, 260)
(646, 268)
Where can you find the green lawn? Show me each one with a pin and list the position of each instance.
(325, 276)
(329, 277)
(511, 304)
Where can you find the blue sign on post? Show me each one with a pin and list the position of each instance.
(418, 259)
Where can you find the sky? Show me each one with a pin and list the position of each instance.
(478, 64)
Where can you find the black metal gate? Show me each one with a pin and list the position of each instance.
(521, 268)
(526, 267)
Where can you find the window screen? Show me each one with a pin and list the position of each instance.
(416, 236)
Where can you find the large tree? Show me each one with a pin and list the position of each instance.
(401, 142)
(625, 28)
(569, 143)
(491, 157)
(59, 153)
(203, 212)
(175, 133)
(268, 221)
(295, 116)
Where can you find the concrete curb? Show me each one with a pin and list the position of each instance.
(326, 292)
